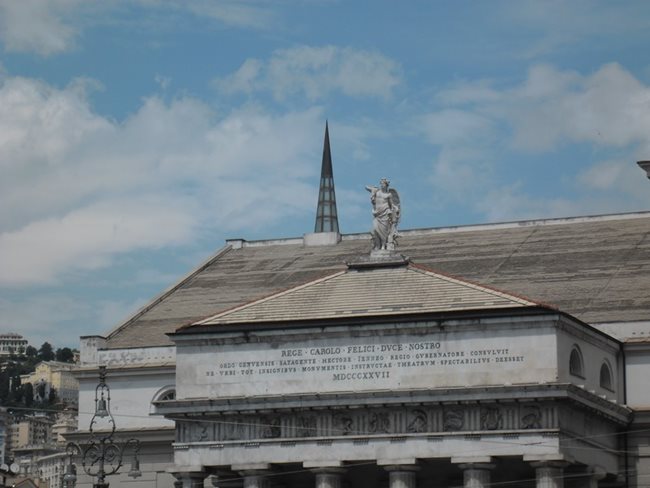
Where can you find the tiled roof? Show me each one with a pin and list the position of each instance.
(597, 269)
(368, 292)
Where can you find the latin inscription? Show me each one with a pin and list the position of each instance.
(355, 362)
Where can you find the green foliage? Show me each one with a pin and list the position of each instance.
(46, 352)
(65, 355)
(28, 394)
(15, 394)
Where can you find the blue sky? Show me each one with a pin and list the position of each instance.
(137, 135)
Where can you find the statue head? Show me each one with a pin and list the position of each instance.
(384, 182)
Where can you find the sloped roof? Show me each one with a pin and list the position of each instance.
(368, 292)
(595, 268)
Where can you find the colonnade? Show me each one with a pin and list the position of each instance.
(476, 474)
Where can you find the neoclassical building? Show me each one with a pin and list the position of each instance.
(499, 354)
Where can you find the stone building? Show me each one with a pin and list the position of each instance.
(510, 353)
(12, 343)
(48, 375)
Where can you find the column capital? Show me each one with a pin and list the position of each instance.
(479, 466)
(328, 470)
(597, 472)
(322, 464)
(397, 462)
(328, 477)
(189, 479)
(559, 464)
(471, 459)
(401, 467)
(256, 478)
(251, 467)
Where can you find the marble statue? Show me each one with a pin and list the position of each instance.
(386, 213)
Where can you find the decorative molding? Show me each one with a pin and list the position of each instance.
(371, 422)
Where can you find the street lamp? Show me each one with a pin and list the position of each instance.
(102, 456)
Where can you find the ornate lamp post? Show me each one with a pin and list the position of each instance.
(102, 456)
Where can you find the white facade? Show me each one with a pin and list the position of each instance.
(485, 391)
(136, 378)
(12, 343)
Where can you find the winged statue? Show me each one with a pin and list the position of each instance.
(386, 212)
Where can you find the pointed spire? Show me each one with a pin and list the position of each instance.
(326, 217)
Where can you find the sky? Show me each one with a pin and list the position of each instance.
(137, 135)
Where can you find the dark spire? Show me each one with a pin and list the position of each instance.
(326, 217)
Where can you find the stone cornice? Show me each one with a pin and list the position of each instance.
(180, 408)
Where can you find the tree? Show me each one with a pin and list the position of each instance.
(28, 394)
(41, 390)
(31, 352)
(52, 397)
(17, 391)
(4, 388)
(46, 353)
(65, 355)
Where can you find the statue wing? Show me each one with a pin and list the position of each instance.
(396, 203)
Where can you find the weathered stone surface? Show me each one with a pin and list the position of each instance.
(592, 268)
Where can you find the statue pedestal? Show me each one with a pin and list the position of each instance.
(378, 258)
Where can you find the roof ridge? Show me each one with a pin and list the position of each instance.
(488, 288)
(262, 309)
(168, 291)
(265, 298)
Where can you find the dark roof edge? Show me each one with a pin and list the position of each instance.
(490, 288)
(156, 300)
(347, 321)
(423, 231)
(593, 329)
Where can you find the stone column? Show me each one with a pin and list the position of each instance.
(591, 478)
(549, 474)
(402, 476)
(189, 479)
(328, 477)
(226, 481)
(476, 475)
(256, 478)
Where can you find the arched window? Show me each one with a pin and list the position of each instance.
(168, 395)
(576, 366)
(606, 377)
(164, 394)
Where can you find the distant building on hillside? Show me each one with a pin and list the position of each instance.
(32, 430)
(11, 343)
(66, 421)
(57, 375)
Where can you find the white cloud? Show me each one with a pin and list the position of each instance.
(60, 318)
(79, 189)
(37, 26)
(478, 125)
(551, 107)
(608, 107)
(561, 24)
(87, 238)
(315, 72)
(47, 317)
(237, 13)
(450, 126)
(48, 27)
